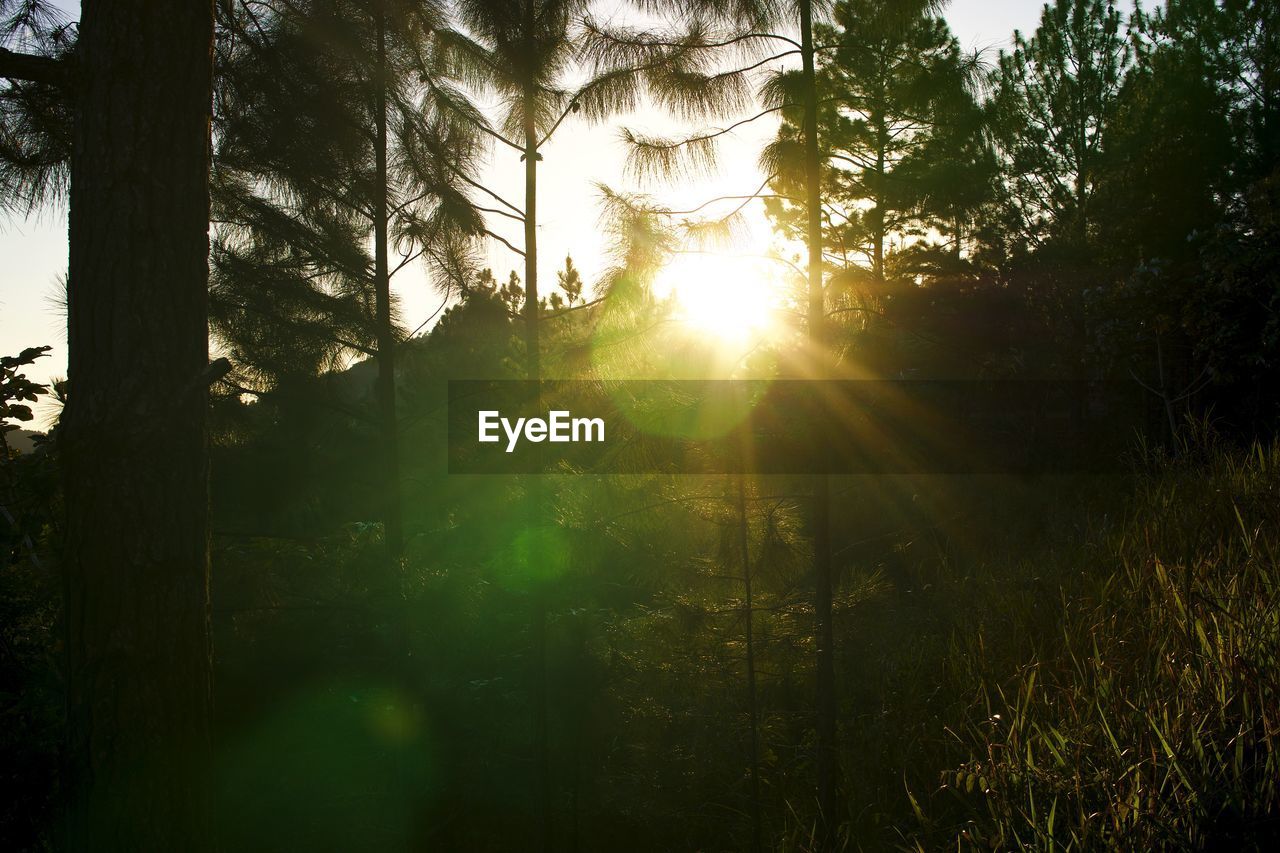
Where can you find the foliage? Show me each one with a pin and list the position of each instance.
(296, 190)
(35, 117)
(1045, 663)
(1052, 97)
(16, 391)
(1235, 315)
(30, 693)
(1141, 715)
(900, 133)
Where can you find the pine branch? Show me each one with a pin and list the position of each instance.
(472, 183)
(35, 69)
(448, 294)
(744, 198)
(639, 40)
(657, 155)
(498, 212)
(753, 66)
(472, 119)
(405, 261)
(504, 242)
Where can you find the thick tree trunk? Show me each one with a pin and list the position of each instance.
(825, 712)
(392, 521)
(133, 435)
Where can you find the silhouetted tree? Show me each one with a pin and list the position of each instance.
(338, 143)
(135, 559)
(688, 82)
(892, 86)
(1053, 95)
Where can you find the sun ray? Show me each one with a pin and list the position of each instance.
(730, 298)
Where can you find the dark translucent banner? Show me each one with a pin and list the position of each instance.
(792, 427)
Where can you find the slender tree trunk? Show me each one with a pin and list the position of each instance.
(582, 701)
(533, 354)
(757, 829)
(533, 369)
(541, 750)
(877, 262)
(392, 520)
(821, 508)
(1082, 197)
(133, 437)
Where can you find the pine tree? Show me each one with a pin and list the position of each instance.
(339, 142)
(893, 94)
(685, 74)
(1053, 94)
(133, 439)
(525, 51)
(36, 107)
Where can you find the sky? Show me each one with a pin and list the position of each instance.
(33, 251)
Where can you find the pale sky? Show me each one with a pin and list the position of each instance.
(33, 252)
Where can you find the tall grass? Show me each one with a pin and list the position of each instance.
(1150, 718)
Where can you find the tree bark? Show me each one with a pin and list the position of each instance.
(825, 711)
(133, 435)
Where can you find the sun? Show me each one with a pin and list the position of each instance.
(731, 298)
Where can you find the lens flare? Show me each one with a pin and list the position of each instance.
(731, 298)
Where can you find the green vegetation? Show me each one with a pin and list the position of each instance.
(244, 604)
(1139, 712)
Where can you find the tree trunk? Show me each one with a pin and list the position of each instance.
(744, 538)
(532, 335)
(392, 522)
(825, 711)
(133, 435)
(882, 142)
(533, 372)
